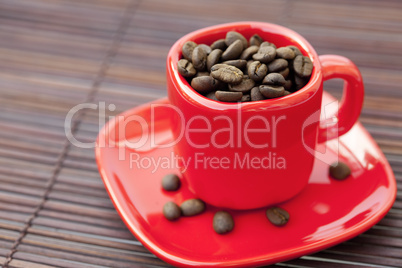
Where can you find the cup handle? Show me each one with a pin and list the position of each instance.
(334, 66)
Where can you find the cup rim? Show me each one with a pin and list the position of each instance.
(298, 97)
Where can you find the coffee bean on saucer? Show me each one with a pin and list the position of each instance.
(219, 44)
(245, 85)
(277, 216)
(265, 54)
(302, 66)
(192, 207)
(171, 182)
(271, 92)
(287, 93)
(186, 68)
(256, 95)
(204, 84)
(249, 52)
(339, 170)
(228, 96)
(277, 65)
(171, 211)
(199, 58)
(227, 73)
(285, 53)
(256, 40)
(257, 70)
(213, 58)
(233, 36)
(274, 79)
(241, 64)
(233, 51)
(223, 222)
(187, 50)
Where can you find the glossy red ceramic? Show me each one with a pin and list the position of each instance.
(325, 213)
(265, 146)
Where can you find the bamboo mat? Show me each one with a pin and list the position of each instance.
(55, 54)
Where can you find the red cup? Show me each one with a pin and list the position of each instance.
(255, 154)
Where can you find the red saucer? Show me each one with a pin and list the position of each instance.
(326, 213)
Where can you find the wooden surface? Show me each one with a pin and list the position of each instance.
(55, 54)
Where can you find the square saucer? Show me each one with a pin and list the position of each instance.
(325, 213)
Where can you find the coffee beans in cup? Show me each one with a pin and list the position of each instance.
(235, 69)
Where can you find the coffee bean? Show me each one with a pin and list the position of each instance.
(277, 216)
(171, 211)
(226, 73)
(339, 170)
(241, 64)
(202, 74)
(199, 58)
(228, 96)
(287, 93)
(256, 40)
(192, 207)
(211, 95)
(277, 65)
(232, 37)
(285, 53)
(302, 66)
(271, 92)
(186, 68)
(288, 85)
(274, 79)
(245, 85)
(249, 52)
(204, 84)
(248, 64)
(233, 51)
(213, 58)
(206, 48)
(187, 50)
(265, 54)
(171, 182)
(256, 95)
(285, 73)
(223, 222)
(300, 82)
(296, 50)
(219, 44)
(245, 98)
(257, 70)
(267, 44)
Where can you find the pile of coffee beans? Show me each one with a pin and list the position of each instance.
(339, 170)
(236, 70)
